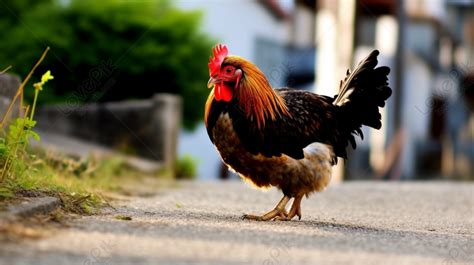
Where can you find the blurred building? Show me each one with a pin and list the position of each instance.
(427, 124)
(427, 127)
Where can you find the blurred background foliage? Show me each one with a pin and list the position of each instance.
(109, 50)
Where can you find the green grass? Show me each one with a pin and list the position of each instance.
(186, 167)
(25, 171)
(78, 183)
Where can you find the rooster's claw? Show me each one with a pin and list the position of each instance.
(279, 213)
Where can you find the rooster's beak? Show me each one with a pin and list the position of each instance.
(212, 81)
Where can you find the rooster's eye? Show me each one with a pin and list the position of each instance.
(228, 70)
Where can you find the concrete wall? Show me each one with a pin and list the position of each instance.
(147, 128)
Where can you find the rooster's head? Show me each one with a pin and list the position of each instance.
(225, 77)
(234, 77)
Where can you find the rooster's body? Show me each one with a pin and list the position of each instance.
(288, 138)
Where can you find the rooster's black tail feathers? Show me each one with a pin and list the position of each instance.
(361, 93)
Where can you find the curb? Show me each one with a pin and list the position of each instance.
(32, 206)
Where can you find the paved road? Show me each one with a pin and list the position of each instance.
(199, 223)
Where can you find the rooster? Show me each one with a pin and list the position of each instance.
(288, 138)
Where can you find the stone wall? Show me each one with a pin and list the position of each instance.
(8, 87)
(146, 128)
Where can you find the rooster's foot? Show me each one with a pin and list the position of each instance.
(295, 210)
(277, 213)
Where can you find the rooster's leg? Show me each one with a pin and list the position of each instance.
(279, 211)
(295, 210)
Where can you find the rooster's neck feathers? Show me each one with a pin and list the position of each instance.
(257, 98)
(207, 108)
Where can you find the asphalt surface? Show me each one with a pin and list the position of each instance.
(199, 223)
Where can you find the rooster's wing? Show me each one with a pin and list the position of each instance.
(312, 120)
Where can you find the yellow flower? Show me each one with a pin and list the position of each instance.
(47, 76)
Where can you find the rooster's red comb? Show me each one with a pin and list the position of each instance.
(220, 52)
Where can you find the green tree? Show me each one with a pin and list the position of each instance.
(110, 50)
